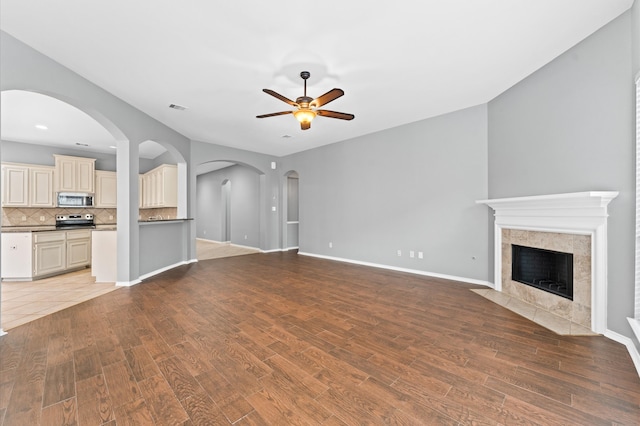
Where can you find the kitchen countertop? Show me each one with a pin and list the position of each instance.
(146, 222)
(29, 228)
(98, 227)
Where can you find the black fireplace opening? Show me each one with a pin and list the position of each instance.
(548, 270)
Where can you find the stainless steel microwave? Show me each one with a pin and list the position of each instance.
(75, 199)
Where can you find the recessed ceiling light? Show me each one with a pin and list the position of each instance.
(178, 107)
(82, 144)
(41, 127)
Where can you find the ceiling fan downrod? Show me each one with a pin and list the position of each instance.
(305, 75)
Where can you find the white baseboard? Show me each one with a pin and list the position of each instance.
(152, 273)
(229, 243)
(2, 332)
(245, 247)
(396, 268)
(633, 351)
(127, 283)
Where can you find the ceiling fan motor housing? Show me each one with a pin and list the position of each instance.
(304, 101)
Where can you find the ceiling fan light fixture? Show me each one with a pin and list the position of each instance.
(304, 115)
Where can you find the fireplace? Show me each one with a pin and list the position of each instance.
(547, 270)
(573, 223)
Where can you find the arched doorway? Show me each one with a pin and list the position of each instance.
(36, 126)
(228, 209)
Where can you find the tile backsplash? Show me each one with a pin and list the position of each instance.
(16, 216)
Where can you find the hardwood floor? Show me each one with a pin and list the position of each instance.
(275, 339)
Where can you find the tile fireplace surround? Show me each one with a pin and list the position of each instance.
(572, 223)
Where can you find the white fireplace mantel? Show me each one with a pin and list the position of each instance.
(572, 213)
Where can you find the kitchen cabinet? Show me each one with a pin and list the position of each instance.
(106, 190)
(49, 251)
(74, 174)
(160, 187)
(41, 187)
(140, 192)
(29, 255)
(78, 248)
(15, 185)
(25, 185)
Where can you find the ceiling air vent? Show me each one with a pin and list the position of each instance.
(178, 107)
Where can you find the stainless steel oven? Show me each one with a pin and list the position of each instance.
(75, 221)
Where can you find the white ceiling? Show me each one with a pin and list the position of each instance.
(398, 62)
(35, 118)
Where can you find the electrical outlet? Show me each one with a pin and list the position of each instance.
(110, 217)
(204, 232)
(420, 255)
(273, 208)
(245, 237)
(330, 244)
(24, 218)
(412, 254)
(399, 253)
(41, 218)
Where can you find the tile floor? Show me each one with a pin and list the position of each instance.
(546, 319)
(24, 301)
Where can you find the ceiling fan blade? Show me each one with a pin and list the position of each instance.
(334, 114)
(305, 125)
(273, 114)
(279, 96)
(331, 95)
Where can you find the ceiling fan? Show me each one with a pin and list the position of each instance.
(307, 107)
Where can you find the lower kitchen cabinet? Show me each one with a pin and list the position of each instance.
(29, 255)
(78, 248)
(49, 251)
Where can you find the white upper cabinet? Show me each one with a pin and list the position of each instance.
(15, 185)
(106, 190)
(74, 174)
(41, 187)
(160, 187)
(25, 185)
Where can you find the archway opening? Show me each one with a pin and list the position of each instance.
(35, 127)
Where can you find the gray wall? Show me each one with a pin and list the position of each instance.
(408, 188)
(635, 12)
(161, 245)
(569, 128)
(245, 205)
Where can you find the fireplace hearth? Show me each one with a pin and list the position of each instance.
(547, 270)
